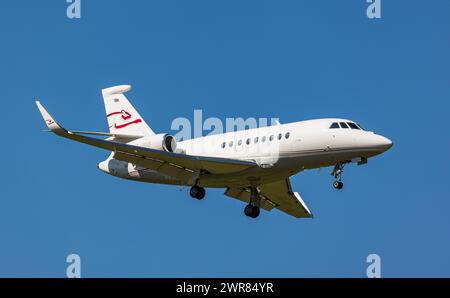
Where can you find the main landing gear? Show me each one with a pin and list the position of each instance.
(197, 192)
(337, 173)
(252, 210)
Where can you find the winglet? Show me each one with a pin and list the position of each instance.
(49, 120)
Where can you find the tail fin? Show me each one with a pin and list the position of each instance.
(122, 117)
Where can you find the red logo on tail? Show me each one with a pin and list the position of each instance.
(126, 124)
(125, 116)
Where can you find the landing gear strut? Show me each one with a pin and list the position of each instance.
(337, 173)
(197, 192)
(252, 209)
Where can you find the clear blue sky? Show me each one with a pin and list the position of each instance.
(289, 59)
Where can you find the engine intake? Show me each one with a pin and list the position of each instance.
(169, 143)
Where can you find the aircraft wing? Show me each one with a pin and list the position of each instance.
(278, 195)
(133, 154)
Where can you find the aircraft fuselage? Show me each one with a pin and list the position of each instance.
(280, 151)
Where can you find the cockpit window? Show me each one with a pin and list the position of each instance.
(353, 125)
(343, 124)
(334, 125)
(359, 125)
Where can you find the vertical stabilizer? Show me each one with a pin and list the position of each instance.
(121, 115)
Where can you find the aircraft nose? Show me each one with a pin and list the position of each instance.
(384, 143)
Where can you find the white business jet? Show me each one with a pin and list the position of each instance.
(254, 165)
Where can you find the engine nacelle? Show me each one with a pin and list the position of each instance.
(162, 141)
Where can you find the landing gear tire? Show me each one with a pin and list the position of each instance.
(251, 211)
(197, 192)
(337, 173)
(338, 184)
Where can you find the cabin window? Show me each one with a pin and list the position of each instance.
(353, 125)
(224, 144)
(263, 139)
(256, 140)
(239, 142)
(271, 138)
(231, 144)
(280, 136)
(334, 125)
(343, 124)
(287, 135)
(248, 141)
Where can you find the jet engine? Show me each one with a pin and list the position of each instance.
(162, 141)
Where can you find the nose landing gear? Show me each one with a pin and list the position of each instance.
(337, 173)
(338, 184)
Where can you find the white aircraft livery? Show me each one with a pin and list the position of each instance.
(253, 165)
